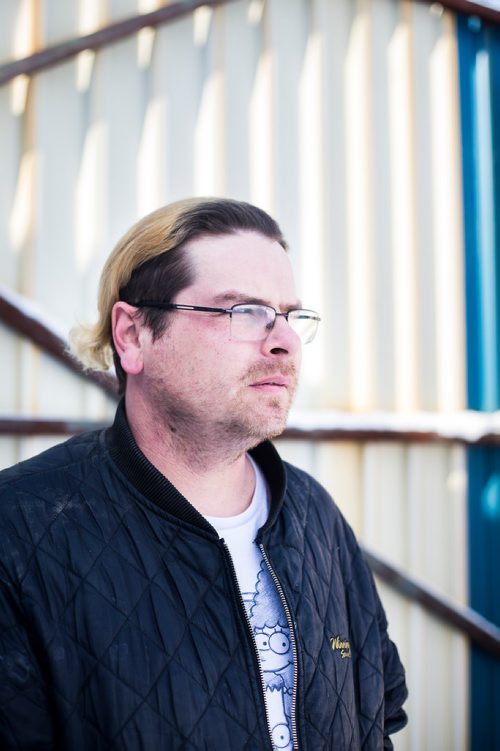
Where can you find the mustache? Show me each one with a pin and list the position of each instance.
(257, 372)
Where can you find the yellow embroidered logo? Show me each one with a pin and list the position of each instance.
(340, 645)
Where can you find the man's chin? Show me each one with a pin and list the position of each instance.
(266, 430)
(254, 427)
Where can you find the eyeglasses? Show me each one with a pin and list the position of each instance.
(250, 322)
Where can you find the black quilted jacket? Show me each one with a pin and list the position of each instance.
(121, 624)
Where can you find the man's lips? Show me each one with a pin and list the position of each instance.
(273, 381)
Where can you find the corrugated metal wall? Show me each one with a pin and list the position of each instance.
(340, 117)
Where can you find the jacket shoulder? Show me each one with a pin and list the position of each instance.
(39, 484)
(78, 450)
(309, 496)
(41, 498)
(319, 515)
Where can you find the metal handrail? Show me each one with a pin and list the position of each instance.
(481, 632)
(370, 434)
(25, 322)
(115, 32)
(16, 425)
(484, 12)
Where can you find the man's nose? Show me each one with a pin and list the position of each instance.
(282, 338)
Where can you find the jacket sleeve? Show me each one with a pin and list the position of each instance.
(378, 650)
(25, 719)
(396, 692)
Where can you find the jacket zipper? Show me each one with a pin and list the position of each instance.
(277, 583)
(252, 636)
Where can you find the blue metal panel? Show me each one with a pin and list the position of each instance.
(484, 535)
(479, 58)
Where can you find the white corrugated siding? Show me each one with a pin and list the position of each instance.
(341, 118)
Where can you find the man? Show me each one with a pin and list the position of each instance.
(170, 583)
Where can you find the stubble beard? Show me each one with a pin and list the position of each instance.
(264, 419)
(222, 439)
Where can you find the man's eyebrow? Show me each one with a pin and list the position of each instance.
(236, 296)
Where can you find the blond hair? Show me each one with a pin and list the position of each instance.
(151, 236)
(158, 233)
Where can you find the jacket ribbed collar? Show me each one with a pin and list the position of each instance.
(152, 484)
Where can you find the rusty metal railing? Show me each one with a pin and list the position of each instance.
(478, 629)
(115, 32)
(26, 322)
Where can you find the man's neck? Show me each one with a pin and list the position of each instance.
(216, 482)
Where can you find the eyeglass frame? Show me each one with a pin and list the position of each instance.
(227, 311)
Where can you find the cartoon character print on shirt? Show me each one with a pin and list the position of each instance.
(272, 636)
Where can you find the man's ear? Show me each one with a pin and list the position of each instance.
(126, 328)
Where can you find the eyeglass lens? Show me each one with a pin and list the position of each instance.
(253, 322)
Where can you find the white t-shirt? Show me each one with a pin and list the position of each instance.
(264, 608)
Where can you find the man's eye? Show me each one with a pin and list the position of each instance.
(250, 311)
(256, 311)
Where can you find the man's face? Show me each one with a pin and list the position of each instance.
(197, 378)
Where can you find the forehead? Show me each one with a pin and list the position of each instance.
(245, 261)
